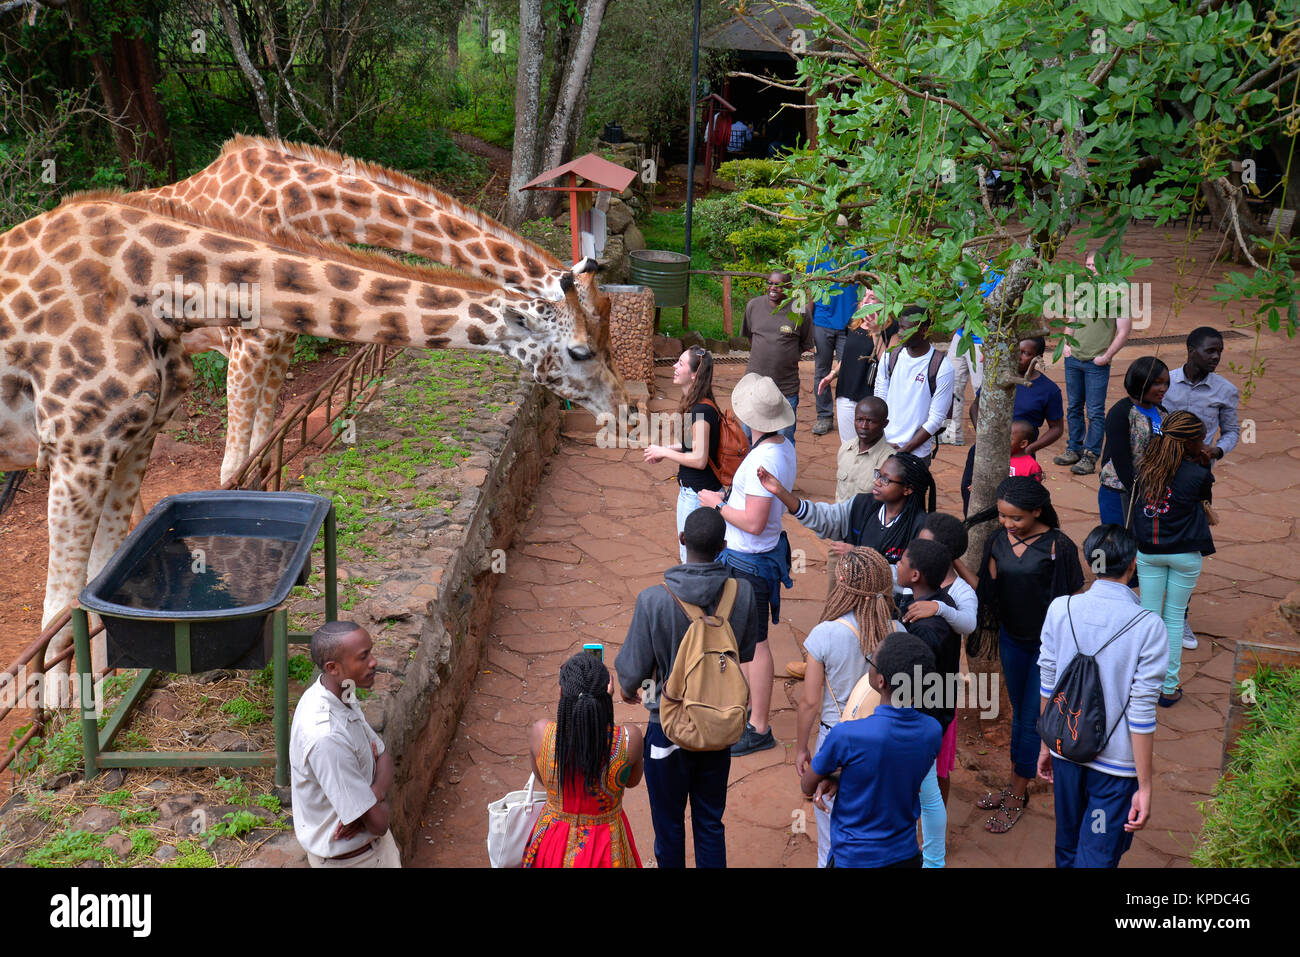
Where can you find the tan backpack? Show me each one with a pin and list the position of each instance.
(704, 703)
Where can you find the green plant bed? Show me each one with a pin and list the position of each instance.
(668, 231)
(1254, 819)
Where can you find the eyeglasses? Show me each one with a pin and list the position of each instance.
(882, 477)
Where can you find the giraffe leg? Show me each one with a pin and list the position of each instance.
(115, 522)
(78, 491)
(242, 377)
(274, 367)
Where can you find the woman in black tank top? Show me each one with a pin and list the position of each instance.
(700, 430)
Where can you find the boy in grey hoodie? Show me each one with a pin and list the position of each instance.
(1100, 804)
(645, 661)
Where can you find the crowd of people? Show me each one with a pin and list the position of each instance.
(873, 753)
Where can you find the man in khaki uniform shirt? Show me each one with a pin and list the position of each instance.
(341, 771)
(858, 458)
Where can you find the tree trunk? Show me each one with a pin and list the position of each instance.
(129, 85)
(528, 94)
(453, 47)
(485, 21)
(571, 105)
(265, 109)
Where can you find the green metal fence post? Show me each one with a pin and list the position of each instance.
(85, 678)
(331, 567)
(281, 657)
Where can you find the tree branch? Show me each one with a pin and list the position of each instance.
(773, 213)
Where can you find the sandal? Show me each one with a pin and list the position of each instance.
(991, 801)
(996, 825)
(1169, 700)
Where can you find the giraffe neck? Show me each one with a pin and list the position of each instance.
(194, 271)
(356, 202)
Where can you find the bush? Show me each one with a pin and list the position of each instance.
(1254, 819)
(746, 173)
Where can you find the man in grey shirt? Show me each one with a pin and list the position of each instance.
(1195, 387)
(1099, 805)
(778, 336)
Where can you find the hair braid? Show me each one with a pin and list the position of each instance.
(864, 585)
(1166, 452)
(584, 723)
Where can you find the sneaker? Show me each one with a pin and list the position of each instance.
(823, 425)
(752, 741)
(1086, 465)
(1189, 639)
(1068, 457)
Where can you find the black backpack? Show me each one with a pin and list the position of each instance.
(1074, 721)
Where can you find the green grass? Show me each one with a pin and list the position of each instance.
(143, 844)
(1254, 819)
(191, 854)
(244, 712)
(115, 798)
(137, 815)
(300, 670)
(668, 231)
(68, 849)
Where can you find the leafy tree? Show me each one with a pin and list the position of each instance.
(1077, 104)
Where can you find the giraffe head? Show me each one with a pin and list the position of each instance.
(561, 347)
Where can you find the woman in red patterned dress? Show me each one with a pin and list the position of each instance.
(583, 824)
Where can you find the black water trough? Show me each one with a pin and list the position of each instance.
(216, 563)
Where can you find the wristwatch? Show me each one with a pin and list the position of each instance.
(718, 507)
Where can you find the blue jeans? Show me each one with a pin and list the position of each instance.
(1112, 506)
(688, 500)
(934, 820)
(1091, 808)
(788, 433)
(1085, 385)
(829, 344)
(1167, 583)
(670, 779)
(1020, 671)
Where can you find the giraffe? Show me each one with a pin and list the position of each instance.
(92, 363)
(352, 201)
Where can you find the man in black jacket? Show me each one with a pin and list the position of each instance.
(645, 661)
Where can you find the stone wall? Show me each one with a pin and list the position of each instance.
(432, 610)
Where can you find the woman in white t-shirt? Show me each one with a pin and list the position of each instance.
(756, 549)
(857, 617)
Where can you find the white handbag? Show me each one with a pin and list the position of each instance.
(510, 823)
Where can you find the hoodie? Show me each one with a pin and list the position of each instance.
(659, 624)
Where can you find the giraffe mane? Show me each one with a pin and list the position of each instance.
(290, 239)
(391, 177)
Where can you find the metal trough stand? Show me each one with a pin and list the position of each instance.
(97, 743)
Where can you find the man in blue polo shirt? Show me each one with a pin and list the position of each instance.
(881, 760)
(830, 330)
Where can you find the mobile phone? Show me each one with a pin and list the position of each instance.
(595, 648)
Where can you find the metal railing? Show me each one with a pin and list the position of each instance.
(356, 380)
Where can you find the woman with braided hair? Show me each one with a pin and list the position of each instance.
(1026, 565)
(1172, 526)
(858, 615)
(586, 762)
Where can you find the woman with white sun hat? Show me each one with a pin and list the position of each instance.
(757, 550)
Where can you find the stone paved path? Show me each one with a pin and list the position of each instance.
(602, 528)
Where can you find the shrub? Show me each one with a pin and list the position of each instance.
(1254, 819)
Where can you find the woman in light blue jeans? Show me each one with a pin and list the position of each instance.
(1172, 527)
(699, 432)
